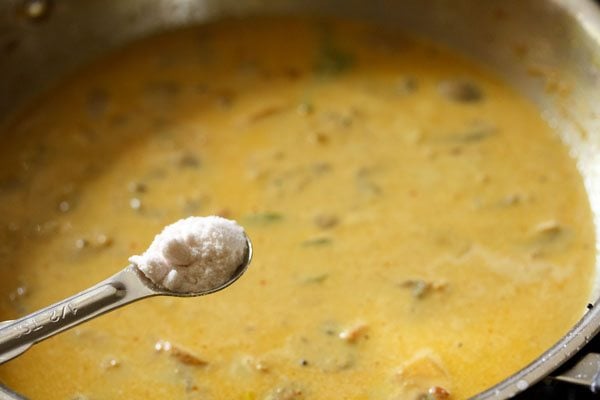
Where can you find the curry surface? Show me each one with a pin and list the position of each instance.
(415, 222)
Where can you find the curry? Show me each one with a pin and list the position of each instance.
(419, 231)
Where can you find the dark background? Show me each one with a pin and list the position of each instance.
(550, 389)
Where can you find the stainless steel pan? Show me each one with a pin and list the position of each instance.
(549, 49)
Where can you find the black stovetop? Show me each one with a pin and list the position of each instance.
(550, 389)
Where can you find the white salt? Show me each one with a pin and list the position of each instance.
(194, 254)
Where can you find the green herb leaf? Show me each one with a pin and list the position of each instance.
(332, 60)
(318, 241)
(315, 279)
(460, 90)
(262, 218)
(306, 107)
(477, 132)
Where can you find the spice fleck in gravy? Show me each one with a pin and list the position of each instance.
(419, 231)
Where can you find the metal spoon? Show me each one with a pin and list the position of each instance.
(126, 286)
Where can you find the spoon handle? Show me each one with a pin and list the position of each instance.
(122, 288)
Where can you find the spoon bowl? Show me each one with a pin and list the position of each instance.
(237, 273)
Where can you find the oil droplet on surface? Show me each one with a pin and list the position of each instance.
(522, 384)
(36, 9)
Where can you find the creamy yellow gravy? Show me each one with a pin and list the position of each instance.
(417, 226)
